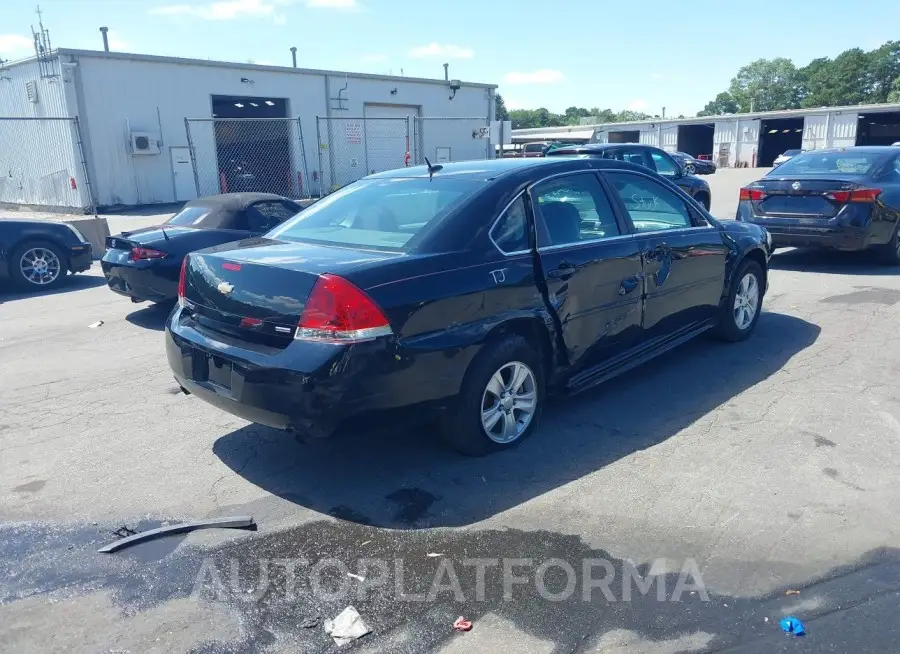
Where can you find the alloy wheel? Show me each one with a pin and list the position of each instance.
(509, 402)
(40, 266)
(746, 301)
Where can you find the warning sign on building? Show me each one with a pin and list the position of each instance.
(354, 133)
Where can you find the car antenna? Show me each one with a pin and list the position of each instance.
(166, 236)
(432, 169)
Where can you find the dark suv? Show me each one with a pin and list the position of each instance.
(648, 156)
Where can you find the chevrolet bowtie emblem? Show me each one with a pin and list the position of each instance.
(225, 288)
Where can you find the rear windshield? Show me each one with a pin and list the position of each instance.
(382, 214)
(848, 163)
(190, 217)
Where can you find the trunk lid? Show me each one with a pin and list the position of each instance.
(799, 196)
(144, 237)
(256, 289)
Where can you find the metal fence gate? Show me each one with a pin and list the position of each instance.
(42, 164)
(351, 148)
(265, 155)
(442, 140)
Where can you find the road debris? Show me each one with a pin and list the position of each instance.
(366, 543)
(462, 624)
(94, 325)
(124, 531)
(792, 592)
(357, 577)
(182, 528)
(434, 555)
(346, 627)
(793, 626)
(311, 623)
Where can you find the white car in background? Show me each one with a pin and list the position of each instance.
(784, 156)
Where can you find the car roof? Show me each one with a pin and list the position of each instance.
(490, 169)
(232, 201)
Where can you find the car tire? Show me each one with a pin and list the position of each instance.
(54, 266)
(470, 427)
(735, 323)
(890, 251)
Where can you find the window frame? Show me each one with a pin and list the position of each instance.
(698, 220)
(529, 221)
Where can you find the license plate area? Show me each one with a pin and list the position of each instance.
(211, 369)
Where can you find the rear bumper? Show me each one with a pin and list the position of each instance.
(81, 258)
(309, 388)
(842, 232)
(142, 282)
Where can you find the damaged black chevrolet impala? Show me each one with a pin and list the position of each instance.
(472, 289)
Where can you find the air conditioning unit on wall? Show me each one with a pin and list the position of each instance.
(144, 143)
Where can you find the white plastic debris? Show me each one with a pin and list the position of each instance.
(94, 325)
(357, 577)
(346, 627)
(434, 555)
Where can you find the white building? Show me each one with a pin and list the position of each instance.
(131, 113)
(753, 139)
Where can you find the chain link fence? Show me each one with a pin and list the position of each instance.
(262, 155)
(42, 164)
(443, 140)
(351, 148)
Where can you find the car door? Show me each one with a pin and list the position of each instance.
(591, 265)
(684, 255)
(266, 215)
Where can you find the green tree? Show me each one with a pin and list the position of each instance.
(894, 95)
(884, 67)
(723, 104)
(574, 115)
(500, 112)
(767, 85)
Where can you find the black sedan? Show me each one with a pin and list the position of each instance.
(846, 199)
(647, 156)
(693, 166)
(37, 254)
(473, 288)
(144, 264)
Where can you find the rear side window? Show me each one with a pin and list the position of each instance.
(377, 213)
(651, 205)
(665, 165)
(846, 162)
(573, 208)
(263, 216)
(510, 234)
(191, 217)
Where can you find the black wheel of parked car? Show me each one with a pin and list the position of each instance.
(500, 401)
(890, 253)
(689, 168)
(740, 312)
(38, 264)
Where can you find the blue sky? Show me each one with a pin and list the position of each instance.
(618, 55)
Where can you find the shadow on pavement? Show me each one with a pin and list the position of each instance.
(151, 316)
(70, 284)
(831, 262)
(403, 477)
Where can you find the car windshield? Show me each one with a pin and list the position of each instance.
(846, 162)
(380, 214)
(190, 216)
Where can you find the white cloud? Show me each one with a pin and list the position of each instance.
(446, 51)
(332, 4)
(15, 44)
(374, 58)
(542, 76)
(225, 10)
(513, 103)
(638, 105)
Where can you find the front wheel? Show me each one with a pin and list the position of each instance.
(500, 401)
(38, 265)
(740, 312)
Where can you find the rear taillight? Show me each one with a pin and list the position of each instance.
(863, 195)
(143, 254)
(182, 282)
(339, 312)
(751, 194)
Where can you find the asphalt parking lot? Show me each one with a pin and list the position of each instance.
(772, 465)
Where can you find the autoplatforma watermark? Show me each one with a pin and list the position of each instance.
(466, 580)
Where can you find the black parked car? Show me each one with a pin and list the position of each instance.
(647, 156)
(37, 254)
(693, 166)
(846, 198)
(475, 287)
(144, 264)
